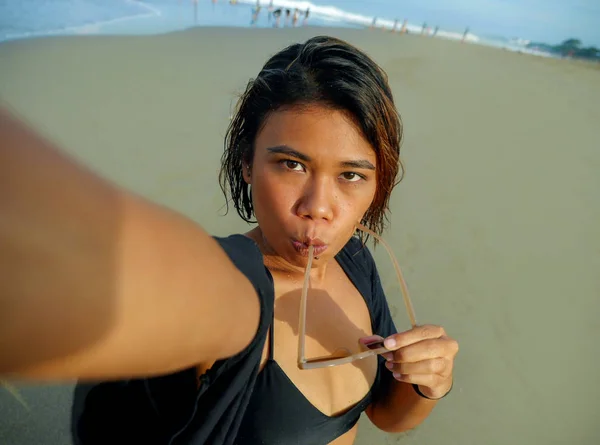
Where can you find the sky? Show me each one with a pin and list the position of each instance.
(549, 21)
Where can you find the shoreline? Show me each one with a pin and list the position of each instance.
(82, 31)
(161, 19)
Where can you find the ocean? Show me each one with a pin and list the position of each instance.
(21, 19)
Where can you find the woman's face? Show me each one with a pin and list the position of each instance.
(313, 178)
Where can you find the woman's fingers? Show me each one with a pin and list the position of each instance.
(424, 350)
(422, 356)
(438, 366)
(414, 335)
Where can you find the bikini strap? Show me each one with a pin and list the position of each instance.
(271, 340)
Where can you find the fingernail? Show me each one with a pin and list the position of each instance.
(397, 375)
(389, 343)
(388, 356)
(389, 365)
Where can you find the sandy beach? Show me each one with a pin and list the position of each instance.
(496, 222)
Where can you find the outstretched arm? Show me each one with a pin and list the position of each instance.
(98, 283)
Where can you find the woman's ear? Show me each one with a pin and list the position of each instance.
(246, 173)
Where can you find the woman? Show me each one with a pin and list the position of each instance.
(103, 285)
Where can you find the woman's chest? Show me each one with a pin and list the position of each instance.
(337, 316)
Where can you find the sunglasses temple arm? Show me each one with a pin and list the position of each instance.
(403, 286)
(303, 299)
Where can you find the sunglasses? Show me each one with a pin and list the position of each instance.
(372, 349)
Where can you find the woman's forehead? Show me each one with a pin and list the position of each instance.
(316, 131)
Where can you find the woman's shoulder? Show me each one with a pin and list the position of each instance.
(357, 261)
(245, 254)
(357, 254)
(239, 246)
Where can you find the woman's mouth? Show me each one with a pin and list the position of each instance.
(302, 247)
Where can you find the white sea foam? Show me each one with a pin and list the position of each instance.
(331, 13)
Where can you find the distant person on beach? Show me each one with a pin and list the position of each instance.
(180, 337)
(465, 35)
(270, 9)
(277, 15)
(306, 14)
(295, 18)
(255, 13)
(287, 17)
(404, 29)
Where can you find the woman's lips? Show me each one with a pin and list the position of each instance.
(302, 248)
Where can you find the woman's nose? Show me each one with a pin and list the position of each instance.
(316, 202)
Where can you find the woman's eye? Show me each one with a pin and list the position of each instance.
(292, 165)
(351, 177)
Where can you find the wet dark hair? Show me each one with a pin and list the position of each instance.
(326, 71)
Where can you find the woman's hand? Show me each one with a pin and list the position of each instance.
(423, 356)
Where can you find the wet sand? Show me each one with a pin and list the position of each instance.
(495, 224)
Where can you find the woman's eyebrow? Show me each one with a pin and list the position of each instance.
(363, 163)
(287, 150)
